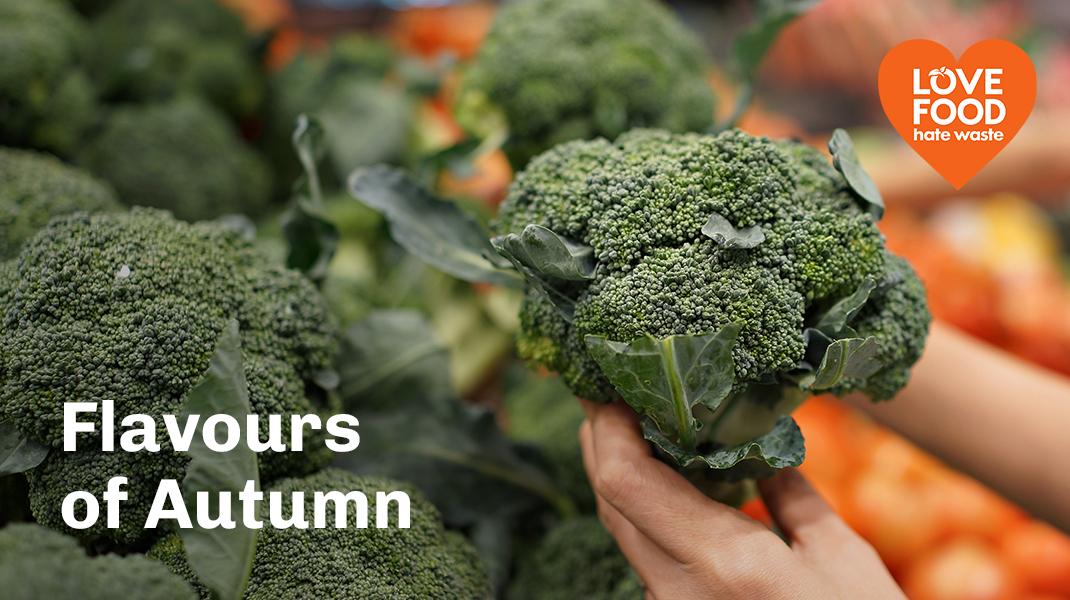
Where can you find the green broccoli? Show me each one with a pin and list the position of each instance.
(46, 100)
(759, 252)
(576, 559)
(145, 51)
(128, 307)
(561, 70)
(423, 561)
(37, 563)
(34, 188)
(181, 155)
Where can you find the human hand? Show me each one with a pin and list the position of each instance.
(684, 545)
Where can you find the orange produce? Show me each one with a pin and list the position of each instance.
(1040, 555)
(968, 508)
(965, 569)
(892, 516)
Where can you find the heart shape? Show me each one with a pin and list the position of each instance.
(957, 115)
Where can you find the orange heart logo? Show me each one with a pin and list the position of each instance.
(957, 114)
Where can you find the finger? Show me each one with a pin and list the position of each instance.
(658, 501)
(801, 513)
(656, 569)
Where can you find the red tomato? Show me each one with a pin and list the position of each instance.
(1040, 555)
(965, 569)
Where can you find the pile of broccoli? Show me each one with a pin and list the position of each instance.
(148, 51)
(46, 98)
(136, 323)
(36, 187)
(423, 561)
(561, 70)
(37, 563)
(182, 155)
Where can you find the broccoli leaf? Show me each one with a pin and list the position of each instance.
(664, 380)
(551, 263)
(725, 234)
(548, 254)
(849, 358)
(392, 359)
(221, 558)
(18, 453)
(835, 319)
(846, 162)
(312, 237)
(414, 427)
(753, 44)
(781, 447)
(435, 230)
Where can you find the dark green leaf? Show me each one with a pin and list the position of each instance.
(850, 358)
(846, 162)
(414, 427)
(664, 380)
(753, 44)
(368, 122)
(725, 234)
(311, 237)
(221, 558)
(840, 314)
(435, 230)
(391, 359)
(781, 447)
(547, 254)
(18, 453)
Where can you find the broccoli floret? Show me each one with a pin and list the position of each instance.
(128, 307)
(181, 155)
(37, 563)
(641, 202)
(35, 187)
(143, 51)
(423, 561)
(46, 100)
(576, 559)
(560, 70)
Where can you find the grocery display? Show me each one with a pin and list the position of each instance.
(418, 251)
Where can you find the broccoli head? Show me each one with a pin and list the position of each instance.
(423, 561)
(34, 188)
(128, 307)
(46, 100)
(576, 559)
(763, 245)
(181, 155)
(560, 70)
(144, 51)
(36, 563)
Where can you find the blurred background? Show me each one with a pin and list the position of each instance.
(995, 255)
